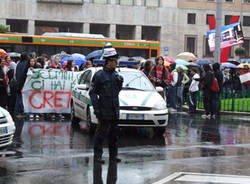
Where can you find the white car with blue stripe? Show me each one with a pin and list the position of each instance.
(140, 103)
(7, 128)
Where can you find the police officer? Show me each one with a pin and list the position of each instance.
(105, 88)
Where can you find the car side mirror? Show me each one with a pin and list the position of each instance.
(159, 89)
(83, 86)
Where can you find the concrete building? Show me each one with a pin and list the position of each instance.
(179, 25)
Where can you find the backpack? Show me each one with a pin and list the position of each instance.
(215, 85)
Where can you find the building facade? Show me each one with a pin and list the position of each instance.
(179, 25)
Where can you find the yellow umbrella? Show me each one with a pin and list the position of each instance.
(167, 64)
(242, 65)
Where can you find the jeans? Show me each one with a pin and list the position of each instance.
(180, 93)
(172, 93)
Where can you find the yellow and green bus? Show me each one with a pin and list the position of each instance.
(72, 43)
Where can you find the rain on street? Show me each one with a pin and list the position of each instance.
(57, 152)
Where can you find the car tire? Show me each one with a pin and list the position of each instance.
(74, 120)
(91, 126)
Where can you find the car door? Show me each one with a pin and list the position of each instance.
(79, 102)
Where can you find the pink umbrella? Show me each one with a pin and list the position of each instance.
(169, 59)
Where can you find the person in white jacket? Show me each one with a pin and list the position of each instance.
(193, 90)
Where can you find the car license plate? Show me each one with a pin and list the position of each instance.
(135, 116)
(3, 130)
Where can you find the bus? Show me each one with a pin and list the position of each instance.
(53, 43)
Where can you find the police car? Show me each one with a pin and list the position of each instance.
(7, 128)
(140, 103)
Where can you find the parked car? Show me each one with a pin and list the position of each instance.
(140, 103)
(7, 128)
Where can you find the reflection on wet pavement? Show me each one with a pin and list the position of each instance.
(57, 152)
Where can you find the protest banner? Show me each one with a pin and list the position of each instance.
(231, 35)
(48, 91)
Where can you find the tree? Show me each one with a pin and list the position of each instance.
(240, 51)
(4, 29)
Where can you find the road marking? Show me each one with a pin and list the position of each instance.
(205, 178)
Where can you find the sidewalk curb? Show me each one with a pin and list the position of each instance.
(201, 111)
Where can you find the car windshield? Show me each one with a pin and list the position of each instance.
(137, 81)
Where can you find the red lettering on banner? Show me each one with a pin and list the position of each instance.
(51, 98)
(46, 98)
(31, 97)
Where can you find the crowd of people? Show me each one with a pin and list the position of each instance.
(178, 84)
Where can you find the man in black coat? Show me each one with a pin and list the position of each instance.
(105, 88)
(208, 100)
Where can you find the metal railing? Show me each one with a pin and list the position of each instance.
(231, 100)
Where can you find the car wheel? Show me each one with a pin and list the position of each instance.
(90, 125)
(74, 120)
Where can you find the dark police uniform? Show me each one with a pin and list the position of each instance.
(105, 88)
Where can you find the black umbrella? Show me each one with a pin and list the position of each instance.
(233, 62)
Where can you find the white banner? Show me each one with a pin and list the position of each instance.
(48, 91)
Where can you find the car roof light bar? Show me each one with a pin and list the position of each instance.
(121, 63)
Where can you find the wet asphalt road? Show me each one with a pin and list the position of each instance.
(55, 152)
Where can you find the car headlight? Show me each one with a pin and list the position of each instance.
(160, 105)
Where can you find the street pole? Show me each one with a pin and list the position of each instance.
(218, 31)
(241, 16)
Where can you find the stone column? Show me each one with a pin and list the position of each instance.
(31, 27)
(86, 28)
(112, 31)
(112, 1)
(138, 32)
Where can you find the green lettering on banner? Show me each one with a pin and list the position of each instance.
(37, 85)
(57, 85)
(36, 74)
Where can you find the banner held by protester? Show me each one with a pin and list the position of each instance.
(48, 91)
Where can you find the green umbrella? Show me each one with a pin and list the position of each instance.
(182, 67)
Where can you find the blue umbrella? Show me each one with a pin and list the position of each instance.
(78, 60)
(97, 54)
(203, 61)
(181, 62)
(245, 61)
(228, 65)
(193, 65)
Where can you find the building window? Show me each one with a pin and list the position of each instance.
(190, 44)
(100, 1)
(207, 52)
(210, 0)
(62, 1)
(126, 2)
(246, 45)
(154, 3)
(246, 20)
(207, 18)
(227, 19)
(229, 1)
(17, 25)
(191, 18)
(246, 1)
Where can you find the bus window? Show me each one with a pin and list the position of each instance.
(153, 53)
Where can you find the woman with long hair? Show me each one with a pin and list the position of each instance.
(70, 66)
